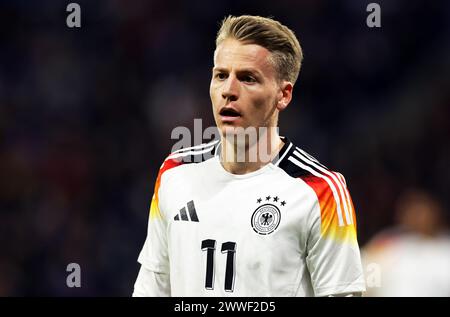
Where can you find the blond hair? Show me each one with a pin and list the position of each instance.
(278, 39)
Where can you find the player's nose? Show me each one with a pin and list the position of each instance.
(231, 88)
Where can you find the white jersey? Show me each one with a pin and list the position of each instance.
(287, 229)
(408, 265)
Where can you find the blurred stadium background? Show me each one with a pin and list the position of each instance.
(86, 116)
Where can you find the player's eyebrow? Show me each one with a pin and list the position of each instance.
(246, 70)
(219, 69)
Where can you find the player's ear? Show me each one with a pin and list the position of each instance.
(284, 95)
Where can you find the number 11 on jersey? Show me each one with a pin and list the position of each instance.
(229, 248)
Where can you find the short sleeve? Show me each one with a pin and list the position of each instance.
(154, 254)
(333, 257)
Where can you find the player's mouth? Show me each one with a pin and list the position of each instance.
(229, 114)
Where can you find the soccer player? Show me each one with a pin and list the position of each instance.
(224, 226)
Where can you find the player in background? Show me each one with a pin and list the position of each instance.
(413, 256)
(280, 224)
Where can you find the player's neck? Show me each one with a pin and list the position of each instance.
(249, 157)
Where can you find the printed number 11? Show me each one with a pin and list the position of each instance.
(227, 247)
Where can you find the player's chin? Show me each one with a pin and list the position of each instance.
(228, 129)
(234, 129)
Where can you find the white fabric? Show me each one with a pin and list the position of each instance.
(151, 284)
(294, 260)
(411, 265)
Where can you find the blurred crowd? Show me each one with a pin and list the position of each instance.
(86, 116)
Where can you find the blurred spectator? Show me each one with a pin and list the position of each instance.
(413, 257)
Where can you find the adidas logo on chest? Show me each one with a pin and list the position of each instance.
(189, 215)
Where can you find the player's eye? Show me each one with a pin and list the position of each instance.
(221, 76)
(248, 79)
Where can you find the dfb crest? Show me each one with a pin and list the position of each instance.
(266, 218)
